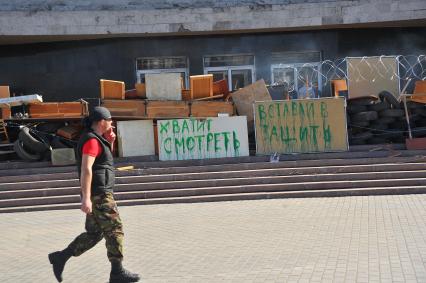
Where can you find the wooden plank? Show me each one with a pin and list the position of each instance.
(71, 132)
(244, 99)
(209, 98)
(5, 112)
(131, 94)
(71, 108)
(112, 89)
(182, 139)
(211, 108)
(135, 138)
(167, 109)
(46, 109)
(186, 94)
(338, 85)
(4, 91)
(221, 87)
(165, 86)
(156, 139)
(47, 115)
(201, 86)
(118, 108)
(301, 126)
(140, 90)
(419, 88)
(56, 109)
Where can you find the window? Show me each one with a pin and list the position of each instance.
(298, 72)
(238, 70)
(157, 65)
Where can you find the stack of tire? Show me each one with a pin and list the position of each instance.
(34, 145)
(380, 120)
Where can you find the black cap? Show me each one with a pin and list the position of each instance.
(99, 113)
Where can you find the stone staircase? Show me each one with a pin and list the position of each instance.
(39, 186)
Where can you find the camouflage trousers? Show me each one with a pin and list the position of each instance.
(103, 222)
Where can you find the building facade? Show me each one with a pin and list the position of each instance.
(60, 50)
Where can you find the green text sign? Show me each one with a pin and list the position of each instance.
(301, 125)
(181, 139)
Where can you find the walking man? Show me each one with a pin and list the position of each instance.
(97, 178)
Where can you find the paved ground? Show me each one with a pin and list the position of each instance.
(363, 239)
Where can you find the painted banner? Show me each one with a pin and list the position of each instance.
(181, 139)
(301, 125)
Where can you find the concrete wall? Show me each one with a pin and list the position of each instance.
(66, 71)
(161, 17)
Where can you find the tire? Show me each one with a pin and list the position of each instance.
(362, 101)
(392, 134)
(357, 142)
(385, 120)
(377, 140)
(399, 125)
(420, 111)
(360, 124)
(31, 140)
(18, 147)
(379, 106)
(421, 123)
(413, 105)
(379, 126)
(363, 136)
(400, 139)
(392, 113)
(355, 131)
(390, 98)
(353, 109)
(412, 118)
(364, 116)
(418, 132)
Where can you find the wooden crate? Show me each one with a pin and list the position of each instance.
(419, 88)
(71, 132)
(156, 139)
(56, 109)
(125, 108)
(211, 108)
(201, 86)
(5, 112)
(221, 87)
(338, 85)
(186, 94)
(4, 91)
(140, 90)
(167, 109)
(112, 89)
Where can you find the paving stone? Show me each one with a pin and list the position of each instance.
(283, 240)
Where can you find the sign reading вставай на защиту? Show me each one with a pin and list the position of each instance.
(181, 139)
(301, 125)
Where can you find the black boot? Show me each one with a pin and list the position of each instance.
(120, 275)
(58, 260)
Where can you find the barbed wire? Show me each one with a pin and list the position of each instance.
(351, 69)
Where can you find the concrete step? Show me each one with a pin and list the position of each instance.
(158, 182)
(221, 174)
(396, 190)
(26, 168)
(135, 191)
(220, 168)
